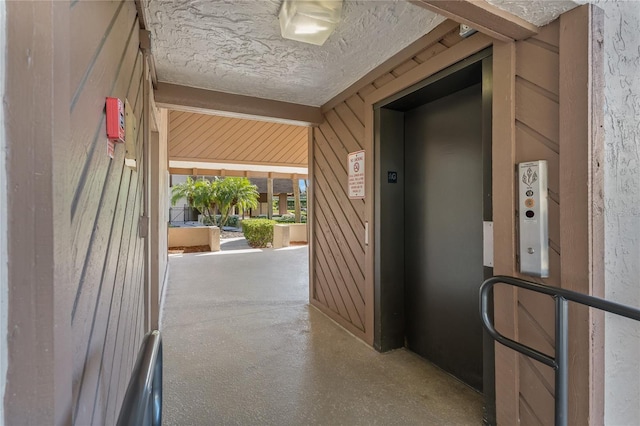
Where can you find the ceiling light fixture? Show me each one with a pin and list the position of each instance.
(309, 21)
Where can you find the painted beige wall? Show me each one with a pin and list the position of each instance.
(189, 236)
(298, 232)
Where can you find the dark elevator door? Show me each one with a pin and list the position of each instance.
(443, 232)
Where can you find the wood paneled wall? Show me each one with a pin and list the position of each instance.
(552, 76)
(213, 138)
(538, 138)
(107, 318)
(535, 85)
(338, 264)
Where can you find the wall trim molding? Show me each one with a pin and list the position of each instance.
(482, 16)
(202, 101)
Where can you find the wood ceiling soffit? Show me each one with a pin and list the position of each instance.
(191, 99)
(234, 173)
(482, 16)
(236, 140)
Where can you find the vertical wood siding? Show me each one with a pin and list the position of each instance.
(339, 252)
(107, 252)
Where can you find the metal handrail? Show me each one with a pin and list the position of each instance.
(560, 361)
(142, 405)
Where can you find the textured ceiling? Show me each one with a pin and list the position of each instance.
(538, 12)
(235, 46)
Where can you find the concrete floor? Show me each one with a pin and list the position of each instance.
(242, 346)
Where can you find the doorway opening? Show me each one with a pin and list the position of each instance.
(433, 200)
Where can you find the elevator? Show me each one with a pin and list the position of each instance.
(433, 200)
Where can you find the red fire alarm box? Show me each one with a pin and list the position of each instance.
(115, 120)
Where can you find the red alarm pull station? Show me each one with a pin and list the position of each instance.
(115, 120)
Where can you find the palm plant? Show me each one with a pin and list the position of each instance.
(205, 198)
(233, 191)
(200, 194)
(206, 195)
(183, 190)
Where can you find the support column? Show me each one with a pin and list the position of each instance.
(38, 293)
(296, 197)
(282, 203)
(270, 198)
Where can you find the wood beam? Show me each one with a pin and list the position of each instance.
(202, 101)
(145, 46)
(235, 173)
(483, 17)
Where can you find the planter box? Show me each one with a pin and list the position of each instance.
(195, 236)
(286, 233)
(280, 236)
(298, 232)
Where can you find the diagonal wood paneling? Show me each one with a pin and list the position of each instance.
(339, 221)
(532, 127)
(212, 138)
(107, 251)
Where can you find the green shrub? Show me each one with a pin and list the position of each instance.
(232, 221)
(290, 218)
(286, 218)
(258, 232)
(210, 221)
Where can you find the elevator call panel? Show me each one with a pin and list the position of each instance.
(533, 218)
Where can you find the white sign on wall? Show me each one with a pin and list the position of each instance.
(355, 165)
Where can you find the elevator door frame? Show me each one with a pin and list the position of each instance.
(388, 294)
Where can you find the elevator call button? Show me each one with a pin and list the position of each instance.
(533, 222)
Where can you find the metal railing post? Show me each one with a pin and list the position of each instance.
(562, 363)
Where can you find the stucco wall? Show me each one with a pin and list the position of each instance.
(622, 206)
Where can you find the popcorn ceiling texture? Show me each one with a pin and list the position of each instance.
(537, 12)
(622, 206)
(235, 46)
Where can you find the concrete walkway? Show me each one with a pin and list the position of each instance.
(243, 347)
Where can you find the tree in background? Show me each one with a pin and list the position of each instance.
(235, 191)
(205, 198)
(183, 190)
(200, 194)
(225, 194)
